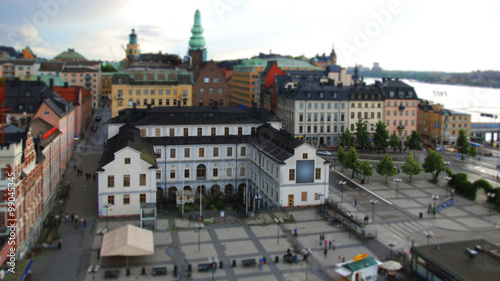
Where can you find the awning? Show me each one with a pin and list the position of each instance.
(128, 241)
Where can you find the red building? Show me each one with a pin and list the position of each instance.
(82, 101)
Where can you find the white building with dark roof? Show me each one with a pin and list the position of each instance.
(221, 151)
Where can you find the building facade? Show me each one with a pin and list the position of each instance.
(18, 68)
(84, 74)
(211, 87)
(143, 89)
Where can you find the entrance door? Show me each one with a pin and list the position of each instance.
(290, 200)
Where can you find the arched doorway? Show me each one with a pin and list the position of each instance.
(171, 192)
(187, 188)
(201, 171)
(202, 188)
(241, 190)
(159, 194)
(215, 190)
(229, 190)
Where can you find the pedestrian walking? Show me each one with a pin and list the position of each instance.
(72, 217)
(261, 263)
(325, 252)
(295, 233)
(334, 245)
(326, 244)
(330, 244)
(340, 259)
(343, 259)
(66, 218)
(321, 238)
(355, 202)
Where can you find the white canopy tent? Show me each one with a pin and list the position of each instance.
(128, 241)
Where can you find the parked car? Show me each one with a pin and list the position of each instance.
(98, 118)
(324, 153)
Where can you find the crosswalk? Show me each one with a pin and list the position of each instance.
(402, 230)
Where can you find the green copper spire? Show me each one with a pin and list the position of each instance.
(197, 42)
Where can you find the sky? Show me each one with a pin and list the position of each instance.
(422, 35)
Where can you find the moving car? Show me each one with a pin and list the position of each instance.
(98, 118)
(324, 153)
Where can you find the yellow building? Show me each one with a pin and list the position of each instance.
(143, 89)
(106, 85)
(132, 46)
(439, 126)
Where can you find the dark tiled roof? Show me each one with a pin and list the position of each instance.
(276, 144)
(25, 96)
(18, 62)
(12, 134)
(79, 69)
(128, 136)
(198, 140)
(310, 89)
(51, 66)
(395, 85)
(60, 106)
(11, 51)
(189, 115)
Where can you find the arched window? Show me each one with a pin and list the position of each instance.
(201, 171)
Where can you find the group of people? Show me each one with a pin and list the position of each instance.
(74, 219)
(328, 244)
(88, 176)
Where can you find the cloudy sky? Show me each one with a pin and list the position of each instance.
(444, 35)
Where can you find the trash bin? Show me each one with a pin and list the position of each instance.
(421, 215)
(276, 259)
(362, 181)
(221, 265)
(234, 263)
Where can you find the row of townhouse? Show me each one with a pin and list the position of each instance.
(219, 151)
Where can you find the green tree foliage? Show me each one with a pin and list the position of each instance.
(433, 164)
(341, 155)
(462, 143)
(394, 141)
(347, 139)
(386, 167)
(362, 134)
(472, 152)
(107, 68)
(366, 168)
(381, 135)
(456, 179)
(350, 159)
(414, 142)
(411, 166)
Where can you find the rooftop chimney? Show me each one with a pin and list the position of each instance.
(65, 84)
(51, 83)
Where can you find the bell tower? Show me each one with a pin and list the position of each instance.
(132, 46)
(197, 49)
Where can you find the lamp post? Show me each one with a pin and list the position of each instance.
(107, 207)
(373, 202)
(320, 199)
(391, 244)
(93, 269)
(213, 261)
(307, 252)
(278, 221)
(435, 197)
(199, 227)
(257, 198)
(397, 180)
(492, 196)
(429, 235)
(342, 183)
(448, 178)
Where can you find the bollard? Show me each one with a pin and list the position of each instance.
(190, 268)
(276, 259)
(221, 265)
(234, 263)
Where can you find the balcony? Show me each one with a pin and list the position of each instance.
(185, 96)
(119, 97)
(401, 107)
(401, 127)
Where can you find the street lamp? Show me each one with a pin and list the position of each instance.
(306, 253)
(391, 244)
(213, 261)
(257, 198)
(320, 199)
(342, 183)
(490, 195)
(428, 234)
(397, 180)
(435, 197)
(93, 269)
(278, 221)
(199, 227)
(373, 202)
(107, 207)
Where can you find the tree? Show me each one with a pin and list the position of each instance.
(366, 168)
(108, 68)
(394, 141)
(386, 167)
(462, 143)
(347, 139)
(341, 156)
(362, 134)
(350, 159)
(414, 142)
(381, 135)
(433, 164)
(411, 166)
(472, 152)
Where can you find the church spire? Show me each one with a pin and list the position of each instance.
(197, 42)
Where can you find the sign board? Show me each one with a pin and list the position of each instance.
(360, 257)
(221, 214)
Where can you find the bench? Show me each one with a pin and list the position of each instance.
(204, 267)
(111, 274)
(159, 271)
(248, 262)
